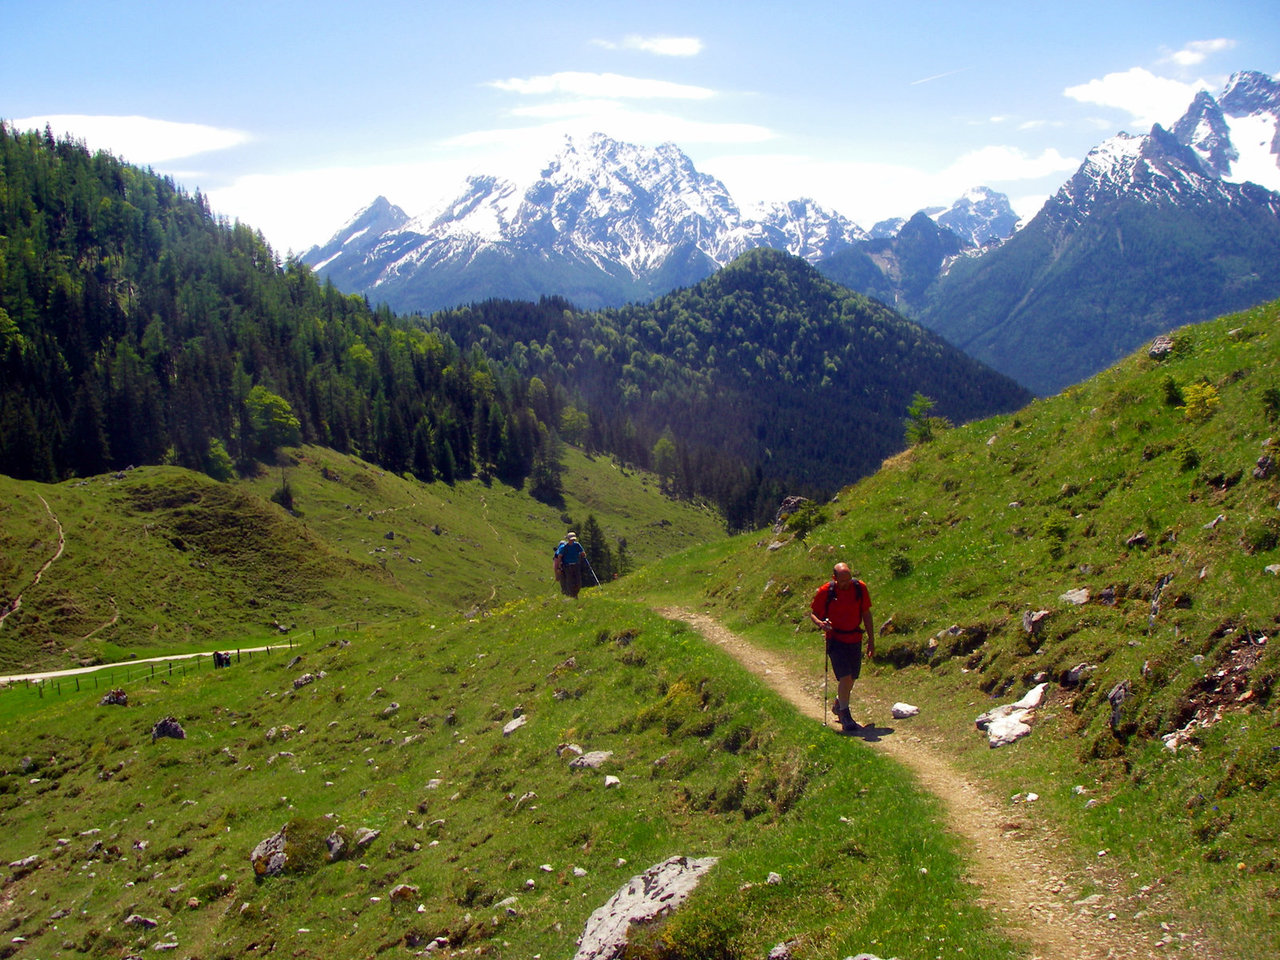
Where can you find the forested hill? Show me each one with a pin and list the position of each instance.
(765, 362)
(138, 328)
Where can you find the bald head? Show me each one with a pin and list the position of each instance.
(841, 573)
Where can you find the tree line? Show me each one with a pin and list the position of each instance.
(138, 327)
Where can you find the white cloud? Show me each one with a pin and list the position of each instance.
(659, 46)
(1147, 98)
(1029, 205)
(1198, 51)
(603, 85)
(583, 118)
(298, 208)
(868, 192)
(998, 164)
(138, 140)
(665, 46)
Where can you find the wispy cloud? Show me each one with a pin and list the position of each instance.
(937, 76)
(661, 46)
(608, 85)
(142, 140)
(1147, 98)
(1198, 51)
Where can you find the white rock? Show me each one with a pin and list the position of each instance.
(611, 781)
(515, 725)
(591, 761)
(657, 891)
(903, 710)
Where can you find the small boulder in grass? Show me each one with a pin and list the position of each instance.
(901, 711)
(168, 727)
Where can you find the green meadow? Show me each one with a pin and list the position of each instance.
(1137, 514)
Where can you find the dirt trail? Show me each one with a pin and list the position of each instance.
(1010, 851)
(16, 603)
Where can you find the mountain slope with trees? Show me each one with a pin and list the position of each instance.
(764, 379)
(137, 328)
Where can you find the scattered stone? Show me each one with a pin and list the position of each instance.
(1220, 518)
(901, 711)
(514, 725)
(1118, 695)
(1160, 347)
(114, 698)
(1005, 724)
(366, 836)
(572, 748)
(1033, 621)
(611, 781)
(147, 923)
(1074, 676)
(1079, 596)
(1273, 569)
(302, 681)
(781, 951)
(652, 894)
(24, 866)
(268, 857)
(391, 709)
(168, 727)
(402, 892)
(591, 761)
(1139, 539)
(774, 878)
(1263, 468)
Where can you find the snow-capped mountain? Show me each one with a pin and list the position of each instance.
(981, 217)
(1150, 233)
(1237, 136)
(604, 223)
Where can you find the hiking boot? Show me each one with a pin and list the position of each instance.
(835, 708)
(847, 723)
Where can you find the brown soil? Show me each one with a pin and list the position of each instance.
(1010, 851)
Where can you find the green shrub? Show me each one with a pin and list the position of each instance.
(899, 564)
(806, 518)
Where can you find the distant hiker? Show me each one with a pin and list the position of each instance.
(571, 557)
(842, 609)
(556, 567)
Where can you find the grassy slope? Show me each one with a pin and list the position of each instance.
(402, 732)
(973, 530)
(1006, 516)
(160, 560)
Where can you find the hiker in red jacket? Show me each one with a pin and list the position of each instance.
(842, 609)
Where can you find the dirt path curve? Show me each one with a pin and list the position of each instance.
(1010, 852)
(62, 543)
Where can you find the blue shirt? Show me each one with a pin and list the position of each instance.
(570, 552)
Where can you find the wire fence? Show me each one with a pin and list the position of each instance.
(117, 676)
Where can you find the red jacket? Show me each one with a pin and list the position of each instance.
(845, 611)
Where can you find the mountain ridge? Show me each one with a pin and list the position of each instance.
(1145, 236)
(605, 223)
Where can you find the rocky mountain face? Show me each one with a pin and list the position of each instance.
(1152, 232)
(605, 223)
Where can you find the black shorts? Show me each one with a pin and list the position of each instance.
(846, 658)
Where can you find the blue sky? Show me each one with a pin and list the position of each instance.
(291, 116)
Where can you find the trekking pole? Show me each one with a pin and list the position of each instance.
(592, 569)
(822, 714)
